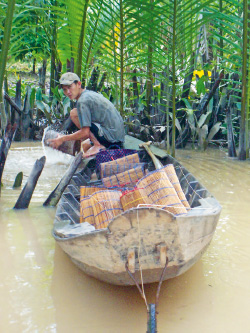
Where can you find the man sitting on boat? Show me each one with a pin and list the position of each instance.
(100, 124)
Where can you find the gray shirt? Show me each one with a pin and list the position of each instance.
(93, 107)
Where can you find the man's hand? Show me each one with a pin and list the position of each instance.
(55, 143)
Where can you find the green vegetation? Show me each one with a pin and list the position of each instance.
(178, 64)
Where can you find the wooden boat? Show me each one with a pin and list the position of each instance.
(140, 239)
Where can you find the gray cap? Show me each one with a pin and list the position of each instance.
(68, 78)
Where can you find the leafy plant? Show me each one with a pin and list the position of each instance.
(56, 109)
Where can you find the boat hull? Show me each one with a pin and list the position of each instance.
(144, 238)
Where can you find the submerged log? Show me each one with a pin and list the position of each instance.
(5, 146)
(67, 147)
(26, 194)
(55, 195)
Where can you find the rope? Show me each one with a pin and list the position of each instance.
(139, 251)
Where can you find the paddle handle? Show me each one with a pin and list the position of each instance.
(157, 163)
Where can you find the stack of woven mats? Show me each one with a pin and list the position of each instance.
(126, 184)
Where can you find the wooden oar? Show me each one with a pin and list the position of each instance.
(157, 163)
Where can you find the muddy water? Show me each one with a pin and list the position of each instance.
(42, 291)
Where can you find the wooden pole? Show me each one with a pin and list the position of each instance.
(26, 194)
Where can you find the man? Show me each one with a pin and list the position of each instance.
(100, 125)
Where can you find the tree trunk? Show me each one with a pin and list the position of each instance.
(16, 116)
(230, 135)
(71, 65)
(92, 84)
(243, 142)
(26, 117)
(4, 51)
(135, 91)
(42, 76)
(34, 66)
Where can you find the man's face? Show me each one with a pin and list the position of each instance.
(73, 91)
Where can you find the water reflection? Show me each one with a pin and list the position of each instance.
(43, 291)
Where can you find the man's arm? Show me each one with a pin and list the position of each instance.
(81, 134)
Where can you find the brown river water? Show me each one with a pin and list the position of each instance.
(41, 290)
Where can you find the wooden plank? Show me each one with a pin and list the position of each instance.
(133, 143)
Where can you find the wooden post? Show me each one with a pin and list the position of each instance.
(5, 146)
(26, 194)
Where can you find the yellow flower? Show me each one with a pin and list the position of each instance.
(201, 73)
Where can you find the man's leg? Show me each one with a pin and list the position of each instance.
(93, 149)
(74, 117)
(87, 147)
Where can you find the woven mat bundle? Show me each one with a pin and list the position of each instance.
(126, 178)
(119, 165)
(159, 190)
(86, 211)
(86, 191)
(133, 198)
(106, 205)
(88, 200)
(170, 171)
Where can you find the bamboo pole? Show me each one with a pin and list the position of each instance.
(174, 77)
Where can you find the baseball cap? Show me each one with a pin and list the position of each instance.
(68, 78)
